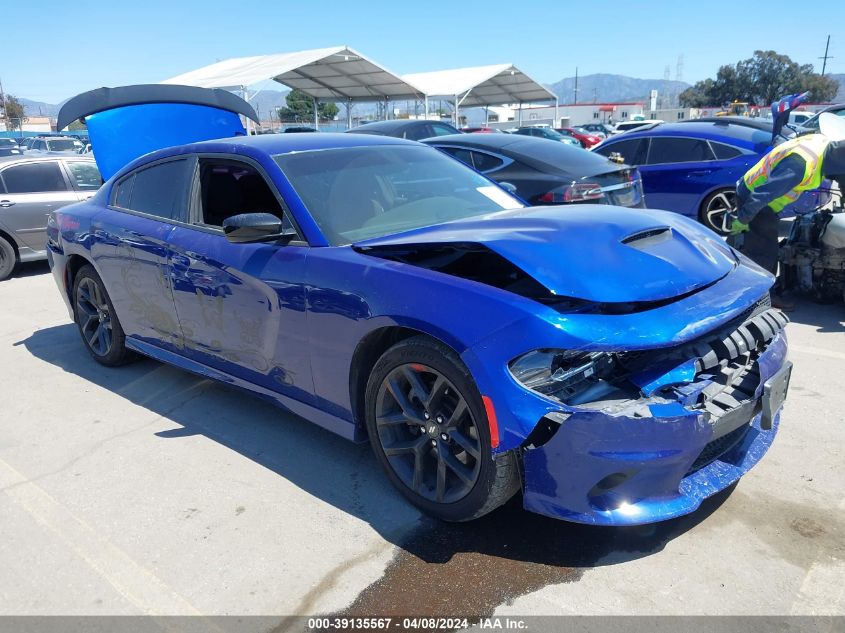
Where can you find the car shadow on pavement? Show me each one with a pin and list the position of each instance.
(30, 269)
(519, 550)
(825, 317)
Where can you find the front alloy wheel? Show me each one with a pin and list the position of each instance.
(428, 427)
(428, 433)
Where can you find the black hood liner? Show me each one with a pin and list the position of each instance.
(102, 99)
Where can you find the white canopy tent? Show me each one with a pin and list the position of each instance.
(326, 74)
(481, 86)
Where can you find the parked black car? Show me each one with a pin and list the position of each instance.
(546, 173)
(413, 129)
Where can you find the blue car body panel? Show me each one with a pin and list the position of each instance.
(683, 187)
(285, 322)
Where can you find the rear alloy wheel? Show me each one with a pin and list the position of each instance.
(715, 210)
(98, 325)
(7, 259)
(428, 428)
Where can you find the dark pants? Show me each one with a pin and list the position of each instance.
(760, 242)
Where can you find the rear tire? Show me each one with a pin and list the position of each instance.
(97, 321)
(8, 259)
(714, 210)
(429, 430)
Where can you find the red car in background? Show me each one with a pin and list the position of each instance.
(586, 139)
(480, 130)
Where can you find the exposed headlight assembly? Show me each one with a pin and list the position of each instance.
(571, 377)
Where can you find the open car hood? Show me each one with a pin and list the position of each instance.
(594, 253)
(130, 121)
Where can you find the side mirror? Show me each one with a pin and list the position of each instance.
(509, 187)
(248, 228)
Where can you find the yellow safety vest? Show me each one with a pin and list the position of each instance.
(811, 148)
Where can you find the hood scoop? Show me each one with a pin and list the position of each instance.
(650, 237)
(588, 253)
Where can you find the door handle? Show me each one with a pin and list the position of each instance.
(6, 203)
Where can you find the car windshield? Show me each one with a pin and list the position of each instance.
(62, 144)
(359, 193)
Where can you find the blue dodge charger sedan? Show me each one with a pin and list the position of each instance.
(616, 366)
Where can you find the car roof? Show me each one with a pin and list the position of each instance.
(724, 131)
(35, 158)
(390, 126)
(533, 151)
(272, 144)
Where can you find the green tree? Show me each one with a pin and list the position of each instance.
(14, 113)
(760, 80)
(300, 107)
(76, 126)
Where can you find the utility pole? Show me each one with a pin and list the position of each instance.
(575, 101)
(826, 56)
(3, 105)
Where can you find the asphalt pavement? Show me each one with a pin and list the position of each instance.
(147, 490)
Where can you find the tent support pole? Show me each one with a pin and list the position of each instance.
(426, 106)
(519, 120)
(349, 114)
(316, 116)
(557, 120)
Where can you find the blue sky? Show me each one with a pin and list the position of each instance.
(62, 47)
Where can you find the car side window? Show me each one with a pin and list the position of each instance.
(465, 156)
(418, 132)
(122, 192)
(85, 175)
(485, 162)
(724, 152)
(160, 190)
(39, 177)
(632, 150)
(229, 187)
(441, 130)
(666, 149)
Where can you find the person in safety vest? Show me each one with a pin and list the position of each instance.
(776, 181)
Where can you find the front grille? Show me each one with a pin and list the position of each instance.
(718, 447)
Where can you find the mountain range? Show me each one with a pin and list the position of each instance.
(600, 87)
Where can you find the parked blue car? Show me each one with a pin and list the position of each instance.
(616, 365)
(692, 167)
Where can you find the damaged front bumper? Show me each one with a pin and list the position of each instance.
(659, 457)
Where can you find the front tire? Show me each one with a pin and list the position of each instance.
(97, 321)
(715, 209)
(7, 259)
(428, 428)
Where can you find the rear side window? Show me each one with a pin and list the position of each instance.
(123, 192)
(160, 190)
(485, 162)
(34, 178)
(632, 150)
(441, 130)
(85, 175)
(724, 152)
(678, 150)
(463, 155)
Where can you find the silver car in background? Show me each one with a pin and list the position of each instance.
(42, 145)
(31, 187)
